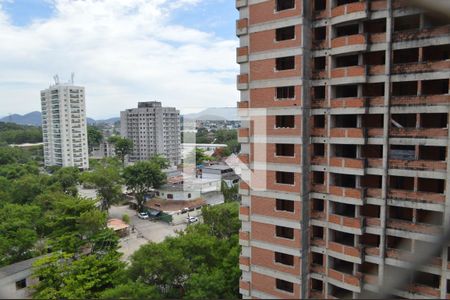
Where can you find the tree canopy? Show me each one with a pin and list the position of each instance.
(95, 137)
(123, 146)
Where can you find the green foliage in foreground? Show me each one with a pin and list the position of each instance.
(11, 133)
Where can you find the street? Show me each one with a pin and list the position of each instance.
(145, 230)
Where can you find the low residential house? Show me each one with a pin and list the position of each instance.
(222, 173)
(16, 280)
(121, 228)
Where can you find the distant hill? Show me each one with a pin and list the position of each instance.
(34, 119)
(215, 114)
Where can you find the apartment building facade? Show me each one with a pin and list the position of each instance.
(154, 130)
(64, 126)
(356, 100)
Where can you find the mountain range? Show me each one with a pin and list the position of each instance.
(213, 114)
(34, 119)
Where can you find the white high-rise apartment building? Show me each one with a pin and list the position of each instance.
(154, 130)
(64, 126)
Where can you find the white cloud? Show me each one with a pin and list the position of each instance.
(123, 51)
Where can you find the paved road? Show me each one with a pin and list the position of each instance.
(146, 230)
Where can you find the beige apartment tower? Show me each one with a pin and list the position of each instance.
(154, 130)
(357, 141)
(64, 126)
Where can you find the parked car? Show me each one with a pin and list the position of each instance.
(192, 219)
(143, 216)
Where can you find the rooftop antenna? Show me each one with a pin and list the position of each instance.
(72, 77)
(56, 78)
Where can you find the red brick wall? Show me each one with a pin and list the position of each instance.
(266, 284)
(266, 233)
(267, 206)
(265, 40)
(265, 11)
(266, 258)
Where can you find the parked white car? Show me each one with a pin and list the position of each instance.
(143, 215)
(192, 219)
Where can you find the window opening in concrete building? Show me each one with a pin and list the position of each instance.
(319, 63)
(317, 259)
(285, 178)
(343, 238)
(339, 293)
(343, 209)
(346, 91)
(345, 121)
(284, 259)
(435, 87)
(285, 205)
(347, 151)
(375, 26)
(285, 285)
(426, 279)
(373, 121)
(344, 180)
(284, 232)
(431, 185)
(401, 183)
(318, 149)
(402, 152)
(286, 92)
(285, 33)
(318, 177)
(317, 232)
(285, 4)
(406, 23)
(368, 268)
(399, 243)
(429, 217)
(341, 265)
(404, 88)
(342, 2)
(404, 120)
(347, 30)
(285, 121)
(372, 151)
(436, 53)
(285, 63)
(316, 285)
(319, 92)
(319, 121)
(405, 56)
(375, 58)
(434, 120)
(320, 33)
(320, 5)
(346, 61)
(373, 89)
(318, 205)
(370, 240)
(285, 150)
(401, 213)
(436, 153)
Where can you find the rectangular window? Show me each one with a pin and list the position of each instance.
(284, 259)
(285, 33)
(284, 232)
(285, 285)
(285, 122)
(285, 4)
(21, 284)
(285, 63)
(285, 150)
(286, 92)
(285, 177)
(285, 205)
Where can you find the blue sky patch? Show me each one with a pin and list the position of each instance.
(24, 12)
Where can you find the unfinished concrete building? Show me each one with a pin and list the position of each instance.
(357, 147)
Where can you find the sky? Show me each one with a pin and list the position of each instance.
(179, 52)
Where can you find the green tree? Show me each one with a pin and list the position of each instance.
(27, 188)
(64, 276)
(107, 180)
(131, 290)
(142, 178)
(10, 155)
(223, 220)
(11, 133)
(95, 137)
(67, 178)
(17, 232)
(123, 147)
(200, 156)
(160, 161)
(230, 193)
